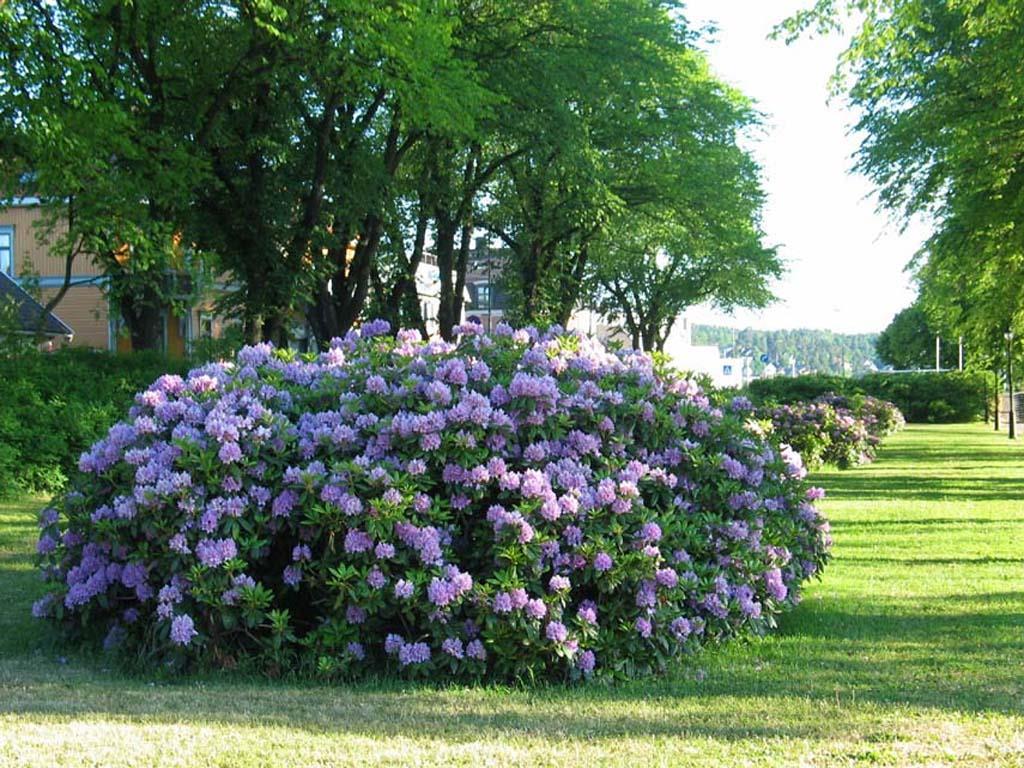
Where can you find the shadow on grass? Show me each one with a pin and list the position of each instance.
(940, 660)
(908, 487)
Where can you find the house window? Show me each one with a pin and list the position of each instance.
(205, 325)
(483, 295)
(727, 370)
(7, 250)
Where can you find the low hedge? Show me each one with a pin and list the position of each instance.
(938, 398)
(513, 506)
(55, 405)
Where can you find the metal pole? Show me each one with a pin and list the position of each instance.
(938, 352)
(960, 353)
(1009, 381)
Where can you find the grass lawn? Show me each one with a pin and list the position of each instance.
(910, 652)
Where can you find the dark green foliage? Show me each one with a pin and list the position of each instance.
(785, 390)
(815, 350)
(54, 406)
(939, 398)
(943, 398)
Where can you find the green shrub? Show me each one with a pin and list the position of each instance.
(940, 398)
(56, 405)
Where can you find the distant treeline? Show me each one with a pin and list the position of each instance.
(814, 351)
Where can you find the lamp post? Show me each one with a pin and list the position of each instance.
(1009, 381)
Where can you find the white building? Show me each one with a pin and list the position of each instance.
(686, 356)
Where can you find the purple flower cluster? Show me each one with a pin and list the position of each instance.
(503, 505)
(214, 552)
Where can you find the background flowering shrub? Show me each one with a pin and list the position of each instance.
(511, 506)
(834, 429)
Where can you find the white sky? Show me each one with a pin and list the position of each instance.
(846, 262)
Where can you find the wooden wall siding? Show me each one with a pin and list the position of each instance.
(176, 346)
(28, 251)
(85, 309)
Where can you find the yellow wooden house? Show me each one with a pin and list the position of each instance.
(27, 258)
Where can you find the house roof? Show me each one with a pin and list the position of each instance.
(28, 311)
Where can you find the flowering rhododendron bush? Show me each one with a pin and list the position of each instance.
(509, 506)
(835, 429)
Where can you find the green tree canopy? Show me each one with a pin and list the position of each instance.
(908, 342)
(938, 84)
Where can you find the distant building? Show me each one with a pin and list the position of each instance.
(735, 371)
(486, 300)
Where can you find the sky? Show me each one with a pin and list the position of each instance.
(845, 260)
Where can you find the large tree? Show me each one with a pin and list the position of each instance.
(88, 102)
(688, 230)
(312, 152)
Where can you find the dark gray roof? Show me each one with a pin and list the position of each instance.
(28, 310)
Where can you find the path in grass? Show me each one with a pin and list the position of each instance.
(910, 652)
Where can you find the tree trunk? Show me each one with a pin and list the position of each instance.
(351, 301)
(444, 246)
(253, 328)
(404, 296)
(275, 330)
(571, 288)
(995, 410)
(144, 318)
(650, 337)
(461, 267)
(529, 273)
(321, 316)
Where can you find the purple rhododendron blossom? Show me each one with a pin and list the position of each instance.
(182, 630)
(529, 482)
(413, 653)
(404, 589)
(214, 552)
(536, 609)
(556, 632)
